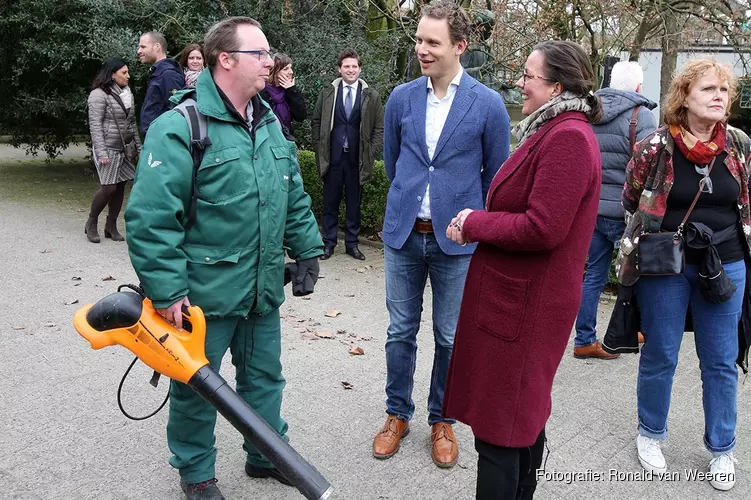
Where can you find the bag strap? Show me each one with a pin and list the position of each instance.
(632, 130)
(117, 124)
(198, 125)
(696, 198)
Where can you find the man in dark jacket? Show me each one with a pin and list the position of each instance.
(623, 103)
(165, 77)
(347, 130)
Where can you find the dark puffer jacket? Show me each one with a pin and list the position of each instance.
(613, 135)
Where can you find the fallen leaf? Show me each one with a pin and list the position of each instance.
(347, 385)
(50, 325)
(71, 302)
(341, 331)
(77, 284)
(48, 250)
(310, 336)
(332, 313)
(349, 295)
(108, 278)
(300, 320)
(19, 327)
(360, 269)
(76, 278)
(305, 298)
(324, 335)
(81, 210)
(357, 351)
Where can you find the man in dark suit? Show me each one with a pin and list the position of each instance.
(445, 137)
(347, 130)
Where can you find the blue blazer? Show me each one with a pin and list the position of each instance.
(472, 146)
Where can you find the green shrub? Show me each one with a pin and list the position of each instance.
(372, 206)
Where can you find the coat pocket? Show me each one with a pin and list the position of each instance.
(393, 209)
(501, 304)
(282, 160)
(221, 176)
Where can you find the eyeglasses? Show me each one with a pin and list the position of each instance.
(525, 76)
(705, 182)
(263, 55)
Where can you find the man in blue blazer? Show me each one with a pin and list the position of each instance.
(445, 137)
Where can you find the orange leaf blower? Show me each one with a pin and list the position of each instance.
(130, 320)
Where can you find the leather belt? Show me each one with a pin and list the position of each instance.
(423, 226)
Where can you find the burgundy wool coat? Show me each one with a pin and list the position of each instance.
(524, 283)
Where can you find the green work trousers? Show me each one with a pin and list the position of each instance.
(255, 344)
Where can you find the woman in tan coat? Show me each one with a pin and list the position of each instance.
(115, 144)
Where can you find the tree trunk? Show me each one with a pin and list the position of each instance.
(670, 41)
(647, 24)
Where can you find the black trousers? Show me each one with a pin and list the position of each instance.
(508, 473)
(342, 176)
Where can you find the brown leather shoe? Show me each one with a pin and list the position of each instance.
(640, 335)
(444, 451)
(386, 442)
(593, 351)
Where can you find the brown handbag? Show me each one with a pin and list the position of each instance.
(663, 253)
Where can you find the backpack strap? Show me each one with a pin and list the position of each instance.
(198, 124)
(632, 130)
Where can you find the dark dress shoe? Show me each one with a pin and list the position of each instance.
(356, 253)
(327, 253)
(261, 472)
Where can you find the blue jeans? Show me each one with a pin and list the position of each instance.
(407, 270)
(607, 234)
(664, 302)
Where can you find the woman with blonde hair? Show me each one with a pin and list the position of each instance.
(283, 95)
(687, 183)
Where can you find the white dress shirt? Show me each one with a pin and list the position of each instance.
(436, 113)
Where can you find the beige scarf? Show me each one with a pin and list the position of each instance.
(566, 101)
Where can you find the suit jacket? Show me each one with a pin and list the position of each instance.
(346, 127)
(523, 286)
(371, 128)
(472, 146)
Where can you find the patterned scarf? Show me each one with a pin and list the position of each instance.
(191, 77)
(567, 101)
(696, 151)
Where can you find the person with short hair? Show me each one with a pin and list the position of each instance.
(446, 136)
(523, 286)
(192, 62)
(623, 103)
(164, 78)
(347, 133)
(115, 144)
(697, 160)
(250, 205)
(284, 96)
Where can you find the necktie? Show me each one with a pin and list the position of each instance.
(348, 102)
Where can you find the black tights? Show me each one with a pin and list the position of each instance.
(110, 195)
(508, 473)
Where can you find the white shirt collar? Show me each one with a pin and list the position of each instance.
(454, 82)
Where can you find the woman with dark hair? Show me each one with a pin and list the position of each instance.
(691, 178)
(115, 144)
(192, 62)
(283, 96)
(523, 286)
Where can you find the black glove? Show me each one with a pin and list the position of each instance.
(290, 271)
(306, 277)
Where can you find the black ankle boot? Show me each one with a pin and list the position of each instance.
(91, 231)
(207, 490)
(110, 230)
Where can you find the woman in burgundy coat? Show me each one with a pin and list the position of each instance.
(523, 286)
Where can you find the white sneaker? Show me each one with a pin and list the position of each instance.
(722, 471)
(650, 454)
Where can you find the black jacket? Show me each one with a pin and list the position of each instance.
(297, 108)
(165, 77)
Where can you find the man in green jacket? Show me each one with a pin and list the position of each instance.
(230, 261)
(347, 131)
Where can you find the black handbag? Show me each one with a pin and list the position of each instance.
(663, 253)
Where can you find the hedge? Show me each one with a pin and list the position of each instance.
(373, 204)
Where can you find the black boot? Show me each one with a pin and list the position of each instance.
(91, 231)
(110, 230)
(207, 490)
